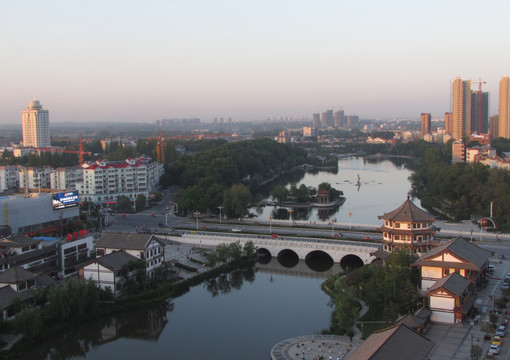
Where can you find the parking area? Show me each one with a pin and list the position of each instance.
(454, 342)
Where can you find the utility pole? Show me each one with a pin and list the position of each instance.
(220, 208)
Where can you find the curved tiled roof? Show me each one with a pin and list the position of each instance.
(462, 249)
(407, 212)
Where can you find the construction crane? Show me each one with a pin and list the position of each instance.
(80, 151)
(160, 149)
(479, 82)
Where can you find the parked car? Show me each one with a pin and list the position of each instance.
(505, 286)
(274, 236)
(236, 229)
(497, 340)
(337, 235)
(494, 349)
(500, 331)
(367, 238)
(491, 268)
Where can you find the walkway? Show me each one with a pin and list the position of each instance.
(312, 347)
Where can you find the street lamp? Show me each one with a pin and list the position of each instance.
(220, 207)
(290, 216)
(196, 213)
(270, 218)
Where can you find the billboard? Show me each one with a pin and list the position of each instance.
(65, 200)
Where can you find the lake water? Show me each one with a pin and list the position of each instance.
(383, 187)
(237, 316)
(241, 315)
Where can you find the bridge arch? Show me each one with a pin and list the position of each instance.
(351, 262)
(319, 260)
(288, 258)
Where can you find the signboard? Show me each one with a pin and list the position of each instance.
(65, 200)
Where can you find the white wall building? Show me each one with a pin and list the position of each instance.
(36, 125)
(9, 176)
(105, 180)
(66, 178)
(35, 177)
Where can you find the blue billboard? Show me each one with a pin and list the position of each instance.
(65, 200)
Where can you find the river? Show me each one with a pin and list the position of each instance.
(244, 314)
(383, 186)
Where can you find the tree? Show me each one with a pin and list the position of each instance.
(141, 202)
(123, 204)
(236, 200)
(280, 193)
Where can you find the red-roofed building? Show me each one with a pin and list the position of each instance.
(104, 180)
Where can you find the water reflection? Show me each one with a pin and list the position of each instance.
(225, 283)
(144, 324)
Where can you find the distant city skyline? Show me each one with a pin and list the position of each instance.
(126, 61)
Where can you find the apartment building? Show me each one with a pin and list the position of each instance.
(104, 180)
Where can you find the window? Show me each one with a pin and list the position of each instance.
(397, 225)
(99, 252)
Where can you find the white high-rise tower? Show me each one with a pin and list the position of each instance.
(36, 125)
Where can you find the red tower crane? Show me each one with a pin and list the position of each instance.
(479, 82)
(80, 150)
(160, 147)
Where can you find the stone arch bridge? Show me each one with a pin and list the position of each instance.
(338, 250)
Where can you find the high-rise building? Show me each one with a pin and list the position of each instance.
(36, 125)
(316, 120)
(425, 125)
(448, 122)
(494, 126)
(504, 108)
(461, 109)
(479, 112)
(339, 118)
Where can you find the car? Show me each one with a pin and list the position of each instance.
(204, 226)
(337, 235)
(494, 349)
(491, 268)
(489, 356)
(505, 286)
(500, 331)
(274, 236)
(236, 229)
(367, 238)
(497, 340)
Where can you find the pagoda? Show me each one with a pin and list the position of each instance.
(408, 227)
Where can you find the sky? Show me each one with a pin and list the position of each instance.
(140, 61)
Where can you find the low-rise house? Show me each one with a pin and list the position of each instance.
(17, 283)
(27, 253)
(450, 276)
(142, 246)
(450, 299)
(107, 271)
(459, 256)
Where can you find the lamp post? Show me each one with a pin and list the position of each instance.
(270, 218)
(290, 216)
(220, 207)
(333, 221)
(196, 213)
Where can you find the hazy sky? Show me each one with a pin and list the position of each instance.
(146, 60)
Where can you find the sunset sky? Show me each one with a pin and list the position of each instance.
(139, 61)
